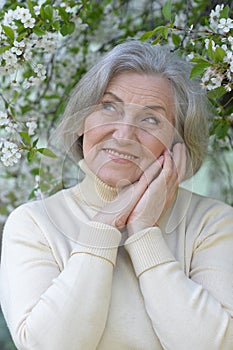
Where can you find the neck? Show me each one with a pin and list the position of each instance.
(92, 190)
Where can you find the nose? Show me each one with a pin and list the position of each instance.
(124, 131)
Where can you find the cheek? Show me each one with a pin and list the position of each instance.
(93, 135)
(155, 148)
(155, 145)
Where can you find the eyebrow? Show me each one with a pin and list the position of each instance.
(118, 99)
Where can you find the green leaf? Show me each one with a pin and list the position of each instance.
(146, 35)
(4, 48)
(176, 39)
(42, 13)
(157, 40)
(149, 34)
(164, 33)
(38, 31)
(31, 154)
(64, 15)
(167, 10)
(35, 171)
(25, 138)
(9, 32)
(15, 95)
(49, 12)
(199, 59)
(31, 8)
(22, 35)
(219, 54)
(199, 69)
(47, 152)
(35, 143)
(210, 49)
(222, 129)
(56, 25)
(225, 12)
(67, 28)
(12, 110)
(217, 93)
(31, 195)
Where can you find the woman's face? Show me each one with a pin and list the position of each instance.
(130, 128)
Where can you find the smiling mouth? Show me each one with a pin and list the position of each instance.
(120, 155)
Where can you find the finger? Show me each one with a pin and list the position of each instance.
(168, 171)
(151, 172)
(179, 158)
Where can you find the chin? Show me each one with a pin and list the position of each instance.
(118, 180)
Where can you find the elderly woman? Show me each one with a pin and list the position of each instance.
(125, 259)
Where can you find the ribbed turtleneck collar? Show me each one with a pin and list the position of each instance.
(92, 190)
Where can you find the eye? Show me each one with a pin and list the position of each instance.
(152, 120)
(109, 106)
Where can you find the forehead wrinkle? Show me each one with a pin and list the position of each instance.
(153, 107)
(134, 92)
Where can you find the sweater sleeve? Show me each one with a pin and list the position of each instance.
(46, 308)
(196, 311)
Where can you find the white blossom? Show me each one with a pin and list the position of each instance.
(29, 23)
(10, 58)
(37, 180)
(28, 54)
(225, 25)
(8, 18)
(214, 16)
(16, 50)
(31, 82)
(24, 15)
(10, 153)
(190, 56)
(229, 56)
(37, 10)
(230, 39)
(228, 87)
(32, 125)
(40, 71)
(212, 79)
(216, 11)
(18, 13)
(48, 42)
(38, 193)
(207, 41)
(11, 127)
(3, 119)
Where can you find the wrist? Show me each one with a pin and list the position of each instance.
(138, 226)
(104, 219)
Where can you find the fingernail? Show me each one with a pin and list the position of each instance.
(161, 159)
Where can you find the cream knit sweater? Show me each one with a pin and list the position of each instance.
(69, 283)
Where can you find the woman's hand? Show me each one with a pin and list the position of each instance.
(117, 212)
(142, 204)
(161, 192)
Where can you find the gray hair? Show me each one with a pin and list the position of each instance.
(191, 104)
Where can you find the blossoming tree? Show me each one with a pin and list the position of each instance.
(43, 42)
(46, 46)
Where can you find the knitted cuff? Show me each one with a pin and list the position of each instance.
(98, 239)
(147, 249)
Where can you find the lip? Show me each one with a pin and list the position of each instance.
(119, 156)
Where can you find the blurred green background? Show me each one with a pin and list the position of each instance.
(5, 340)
